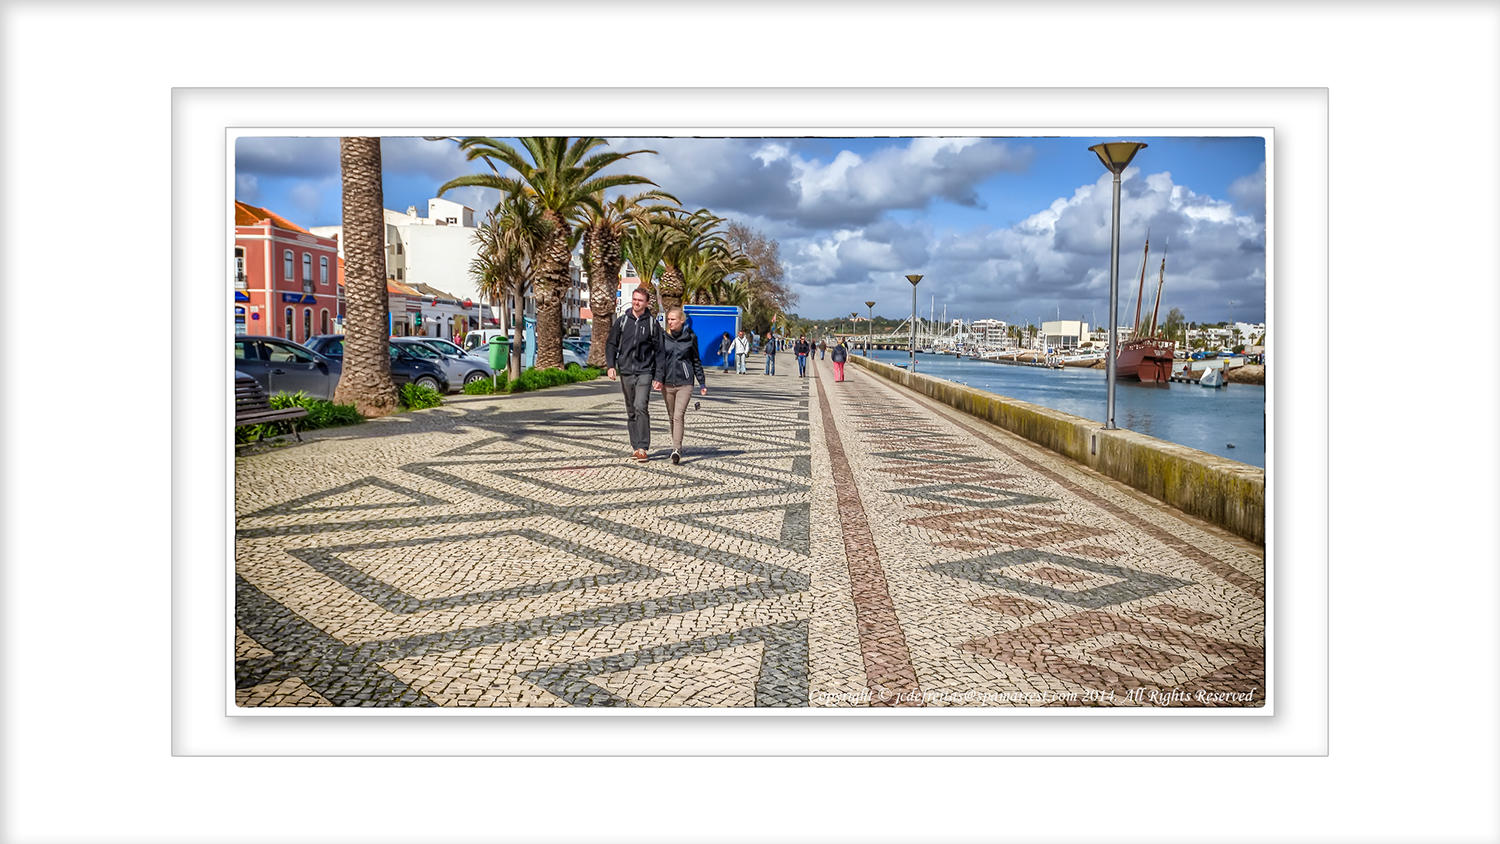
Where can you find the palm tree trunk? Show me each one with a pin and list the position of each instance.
(517, 322)
(604, 280)
(366, 378)
(551, 286)
(671, 289)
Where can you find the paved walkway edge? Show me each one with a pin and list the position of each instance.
(889, 672)
(1223, 492)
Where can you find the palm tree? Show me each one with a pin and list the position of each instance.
(686, 237)
(642, 246)
(510, 244)
(603, 230)
(561, 181)
(365, 380)
(705, 274)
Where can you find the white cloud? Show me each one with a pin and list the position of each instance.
(1055, 260)
(246, 187)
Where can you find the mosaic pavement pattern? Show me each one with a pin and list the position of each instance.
(821, 545)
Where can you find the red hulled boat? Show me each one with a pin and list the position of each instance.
(1147, 357)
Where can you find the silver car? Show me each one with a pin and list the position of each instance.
(460, 367)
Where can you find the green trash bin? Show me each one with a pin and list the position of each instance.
(499, 353)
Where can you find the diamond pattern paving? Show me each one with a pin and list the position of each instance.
(821, 545)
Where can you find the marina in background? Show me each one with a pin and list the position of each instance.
(1229, 422)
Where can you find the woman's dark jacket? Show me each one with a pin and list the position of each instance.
(677, 363)
(803, 347)
(840, 354)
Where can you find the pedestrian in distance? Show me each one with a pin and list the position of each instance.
(822, 349)
(726, 347)
(769, 347)
(741, 348)
(840, 354)
(631, 355)
(802, 350)
(677, 367)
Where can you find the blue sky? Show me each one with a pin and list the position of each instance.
(1015, 228)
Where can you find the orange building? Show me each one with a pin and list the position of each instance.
(286, 278)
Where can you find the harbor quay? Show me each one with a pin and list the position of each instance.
(822, 544)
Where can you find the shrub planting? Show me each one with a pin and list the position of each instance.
(416, 397)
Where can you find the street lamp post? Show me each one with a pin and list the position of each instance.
(870, 341)
(1115, 157)
(913, 278)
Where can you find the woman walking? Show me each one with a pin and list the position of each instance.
(840, 354)
(677, 367)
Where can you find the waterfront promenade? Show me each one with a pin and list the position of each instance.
(822, 544)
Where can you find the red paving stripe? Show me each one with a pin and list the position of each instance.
(1186, 549)
(888, 670)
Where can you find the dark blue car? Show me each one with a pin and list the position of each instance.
(405, 366)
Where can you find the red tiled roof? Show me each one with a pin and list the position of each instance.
(246, 214)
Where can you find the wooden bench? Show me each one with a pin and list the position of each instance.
(253, 407)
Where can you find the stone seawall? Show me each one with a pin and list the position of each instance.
(1225, 492)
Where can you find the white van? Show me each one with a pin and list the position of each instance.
(478, 342)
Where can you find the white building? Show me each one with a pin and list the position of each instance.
(435, 252)
(991, 332)
(1064, 333)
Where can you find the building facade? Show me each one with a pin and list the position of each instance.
(285, 277)
(1064, 333)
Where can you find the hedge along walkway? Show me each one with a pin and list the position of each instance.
(821, 544)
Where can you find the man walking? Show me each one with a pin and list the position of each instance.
(802, 349)
(726, 345)
(631, 356)
(770, 349)
(741, 348)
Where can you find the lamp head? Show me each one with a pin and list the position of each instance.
(870, 304)
(914, 278)
(1116, 156)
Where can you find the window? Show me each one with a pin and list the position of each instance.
(288, 332)
(323, 270)
(306, 323)
(419, 350)
(277, 353)
(307, 266)
(239, 265)
(247, 350)
(399, 274)
(323, 321)
(452, 221)
(239, 319)
(286, 265)
(398, 248)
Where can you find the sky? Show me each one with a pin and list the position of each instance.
(1012, 228)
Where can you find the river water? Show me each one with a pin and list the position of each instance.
(1229, 422)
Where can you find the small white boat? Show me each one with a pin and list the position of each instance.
(1212, 378)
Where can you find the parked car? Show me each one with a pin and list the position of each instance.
(458, 365)
(281, 366)
(477, 343)
(406, 366)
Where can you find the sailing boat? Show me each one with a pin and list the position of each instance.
(1147, 357)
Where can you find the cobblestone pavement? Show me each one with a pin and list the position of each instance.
(821, 544)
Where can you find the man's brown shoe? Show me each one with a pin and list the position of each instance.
(640, 454)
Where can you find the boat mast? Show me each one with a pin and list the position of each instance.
(1135, 331)
(1160, 280)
